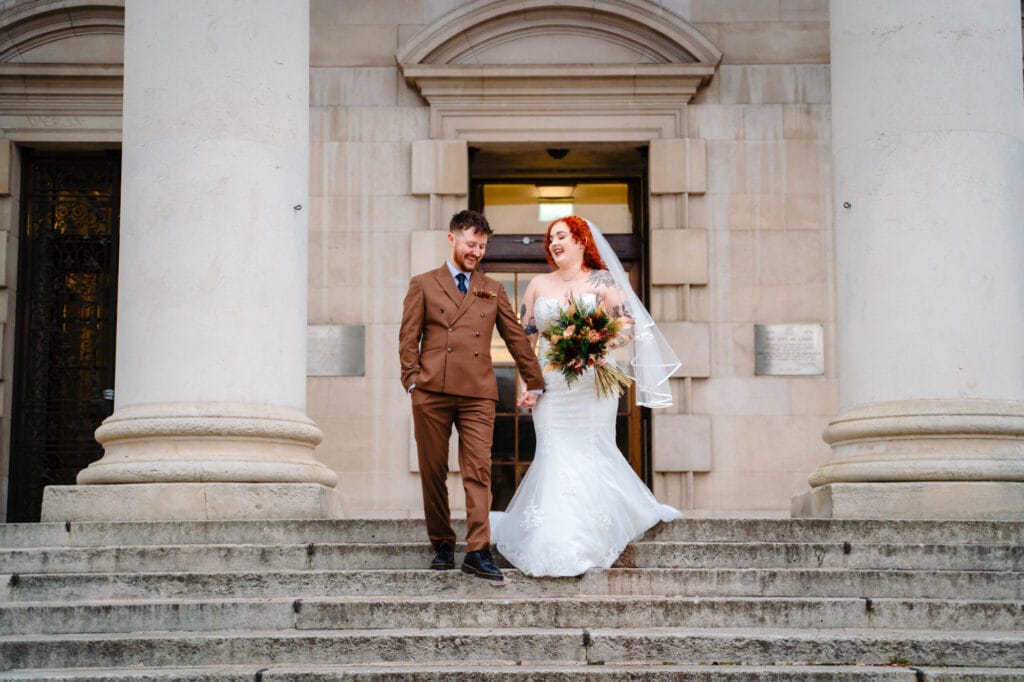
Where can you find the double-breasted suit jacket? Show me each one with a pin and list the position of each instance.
(445, 350)
(445, 337)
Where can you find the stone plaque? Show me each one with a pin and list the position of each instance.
(789, 349)
(336, 350)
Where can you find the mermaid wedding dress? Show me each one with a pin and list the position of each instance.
(580, 503)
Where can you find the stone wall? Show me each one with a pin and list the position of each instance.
(766, 122)
(363, 118)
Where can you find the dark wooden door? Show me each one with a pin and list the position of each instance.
(66, 305)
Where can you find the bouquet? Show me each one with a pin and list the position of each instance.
(581, 338)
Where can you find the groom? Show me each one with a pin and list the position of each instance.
(444, 345)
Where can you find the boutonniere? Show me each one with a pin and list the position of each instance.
(483, 293)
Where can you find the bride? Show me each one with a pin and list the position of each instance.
(580, 503)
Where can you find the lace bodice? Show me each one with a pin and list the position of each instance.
(546, 308)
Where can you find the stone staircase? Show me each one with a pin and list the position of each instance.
(698, 599)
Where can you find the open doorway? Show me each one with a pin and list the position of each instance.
(522, 188)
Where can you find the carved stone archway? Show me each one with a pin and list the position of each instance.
(618, 71)
(557, 61)
(37, 79)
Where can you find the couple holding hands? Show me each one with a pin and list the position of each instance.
(579, 503)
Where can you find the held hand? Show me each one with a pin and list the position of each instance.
(527, 399)
(522, 392)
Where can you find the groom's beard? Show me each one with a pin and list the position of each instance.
(461, 264)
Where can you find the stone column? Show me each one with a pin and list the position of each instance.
(928, 135)
(209, 419)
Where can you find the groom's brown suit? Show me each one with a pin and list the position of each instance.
(445, 350)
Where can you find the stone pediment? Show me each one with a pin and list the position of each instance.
(62, 31)
(60, 58)
(573, 47)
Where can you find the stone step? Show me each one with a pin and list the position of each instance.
(761, 646)
(412, 530)
(766, 646)
(646, 554)
(964, 557)
(649, 673)
(970, 585)
(339, 613)
(529, 673)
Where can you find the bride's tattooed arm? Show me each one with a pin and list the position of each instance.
(529, 325)
(600, 278)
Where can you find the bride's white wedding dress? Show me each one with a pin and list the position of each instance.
(580, 503)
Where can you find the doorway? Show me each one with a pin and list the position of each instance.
(66, 304)
(522, 188)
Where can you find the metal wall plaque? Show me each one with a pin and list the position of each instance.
(336, 350)
(789, 349)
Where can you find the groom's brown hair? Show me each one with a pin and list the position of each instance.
(466, 219)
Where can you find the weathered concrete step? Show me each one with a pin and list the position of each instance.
(220, 673)
(649, 673)
(736, 646)
(634, 612)
(105, 534)
(413, 530)
(818, 646)
(882, 531)
(530, 673)
(646, 554)
(560, 612)
(160, 649)
(656, 554)
(976, 585)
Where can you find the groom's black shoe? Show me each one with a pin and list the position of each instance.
(444, 558)
(481, 564)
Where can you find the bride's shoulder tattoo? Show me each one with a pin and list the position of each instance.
(601, 278)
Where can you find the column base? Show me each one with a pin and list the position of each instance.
(206, 442)
(190, 502)
(946, 500)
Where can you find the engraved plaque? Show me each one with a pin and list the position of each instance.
(789, 349)
(336, 350)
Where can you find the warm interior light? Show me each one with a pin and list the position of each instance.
(555, 192)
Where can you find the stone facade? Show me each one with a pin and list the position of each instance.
(742, 228)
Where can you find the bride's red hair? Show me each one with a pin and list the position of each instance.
(580, 232)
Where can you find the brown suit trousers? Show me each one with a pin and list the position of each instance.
(444, 348)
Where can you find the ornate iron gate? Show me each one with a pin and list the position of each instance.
(64, 350)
